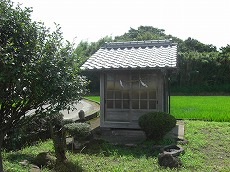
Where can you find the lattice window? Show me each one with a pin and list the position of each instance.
(131, 91)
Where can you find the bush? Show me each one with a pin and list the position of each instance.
(156, 124)
(80, 131)
(67, 121)
(33, 129)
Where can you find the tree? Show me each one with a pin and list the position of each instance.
(149, 33)
(84, 50)
(142, 33)
(38, 69)
(194, 45)
(225, 51)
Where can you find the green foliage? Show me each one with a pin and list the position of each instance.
(34, 129)
(85, 49)
(196, 46)
(156, 124)
(204, 69)
(28, 134)
(225, 51)
(39, 70)
(201, 89)
(149, 33)
(94, 78)
(142, 33)
(67, 121)
(79, 131)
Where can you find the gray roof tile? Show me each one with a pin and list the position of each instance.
(135, 54)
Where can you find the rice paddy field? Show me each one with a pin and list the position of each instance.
(210, 108)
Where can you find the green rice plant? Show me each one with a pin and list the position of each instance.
(211, 108)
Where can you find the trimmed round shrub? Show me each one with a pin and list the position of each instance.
(156, 124)
(80, 131)
(67, 121)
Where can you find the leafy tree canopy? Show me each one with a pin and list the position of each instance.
(85, 49)
(198, 63)
(151, 33)
(225, 52)
(38, 69)
(142, 33)
(195, 45)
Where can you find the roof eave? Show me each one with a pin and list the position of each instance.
(129, 68)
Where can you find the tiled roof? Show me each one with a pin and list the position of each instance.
(136, 54)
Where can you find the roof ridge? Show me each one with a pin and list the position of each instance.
(130, 44)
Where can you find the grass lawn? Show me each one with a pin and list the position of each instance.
(212, 108)
(94, 98)
(207, 150)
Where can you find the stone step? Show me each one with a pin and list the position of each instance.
(128, 133)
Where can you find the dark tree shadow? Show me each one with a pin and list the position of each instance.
(147, 148)
(19, 157)
(58, 167)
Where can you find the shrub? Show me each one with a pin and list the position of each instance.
(67, 121)
(80, 131)
(33, 129)
(156, 124)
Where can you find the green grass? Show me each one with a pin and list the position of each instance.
(207, 150)
(94, 98)
(212, 108)
(11, 159)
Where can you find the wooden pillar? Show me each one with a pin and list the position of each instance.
(102, 99)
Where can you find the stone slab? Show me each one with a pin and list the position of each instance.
(128, 136)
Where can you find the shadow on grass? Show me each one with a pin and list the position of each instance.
(103, 148)
(67, 166)
(19, 157)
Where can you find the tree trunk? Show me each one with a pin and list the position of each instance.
(1, 160)
(59, 141)
(59, 146)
